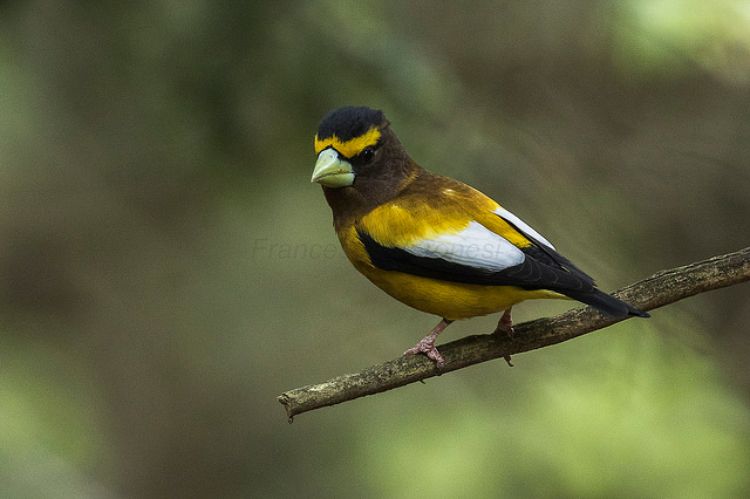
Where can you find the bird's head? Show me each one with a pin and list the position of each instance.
(357, 151)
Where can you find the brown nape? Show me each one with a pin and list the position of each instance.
(389, 173)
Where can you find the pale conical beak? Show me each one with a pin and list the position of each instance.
(332, 171)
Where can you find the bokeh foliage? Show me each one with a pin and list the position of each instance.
(167, 269)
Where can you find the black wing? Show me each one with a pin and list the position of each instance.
(530, 274)
(543, 268)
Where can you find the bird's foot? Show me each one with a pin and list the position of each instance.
(505, 328)
(505, 325)
(427, 346)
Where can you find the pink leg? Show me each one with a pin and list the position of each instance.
(427, 344)
(505, 325)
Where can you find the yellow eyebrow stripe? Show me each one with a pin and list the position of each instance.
(351, 147)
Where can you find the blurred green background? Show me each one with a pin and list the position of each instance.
(168, 269)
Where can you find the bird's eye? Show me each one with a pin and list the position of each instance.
(367, 154)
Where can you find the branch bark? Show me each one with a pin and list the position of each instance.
(662, 288)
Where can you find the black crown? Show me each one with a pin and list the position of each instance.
(349, 122)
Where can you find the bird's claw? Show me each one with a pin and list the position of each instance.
(506, 330)
(505, 325)
(428, 348)
(427, 345)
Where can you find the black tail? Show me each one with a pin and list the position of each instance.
(606, 303)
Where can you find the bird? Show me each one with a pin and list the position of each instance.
(432, 242)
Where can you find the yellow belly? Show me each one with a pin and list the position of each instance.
(448, 299)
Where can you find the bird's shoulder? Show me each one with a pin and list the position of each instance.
(433, 205)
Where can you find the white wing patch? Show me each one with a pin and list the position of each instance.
(475, 246)
(522, 226)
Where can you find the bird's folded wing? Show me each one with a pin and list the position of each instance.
(541, 249)
(489, 247)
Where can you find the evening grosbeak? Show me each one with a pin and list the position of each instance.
(430, 241)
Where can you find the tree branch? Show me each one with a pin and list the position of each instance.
(663, 288)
